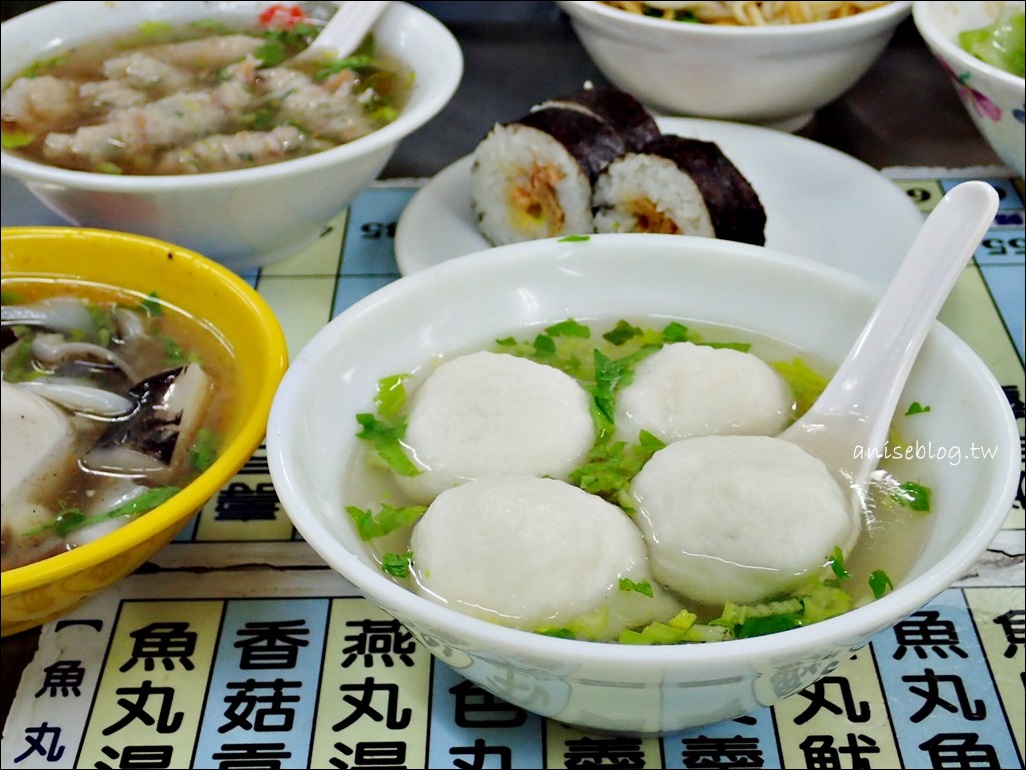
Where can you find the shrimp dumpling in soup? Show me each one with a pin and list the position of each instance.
(494, 414)
(739, 518)
(686, 390)
(534, 553)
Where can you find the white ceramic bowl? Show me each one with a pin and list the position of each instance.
(487, 295)
(245, 218)
(772, 75)
(993, 98)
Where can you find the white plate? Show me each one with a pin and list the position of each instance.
(820, 203)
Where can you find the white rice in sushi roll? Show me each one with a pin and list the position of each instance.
(649, 194)
(678, 186)
(494, 414)
(533, 178)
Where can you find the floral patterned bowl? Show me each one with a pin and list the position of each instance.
(993, 98)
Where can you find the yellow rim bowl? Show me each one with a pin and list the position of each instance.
(37, 593)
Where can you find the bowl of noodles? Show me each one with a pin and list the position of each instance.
(764, 63)
(137, 380)
(203, 123)
(526, 456)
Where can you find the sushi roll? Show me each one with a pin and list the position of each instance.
(618, 108)
(682, 186)
(533, 178)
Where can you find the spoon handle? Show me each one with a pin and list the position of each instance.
(347, 28)
(890, 341)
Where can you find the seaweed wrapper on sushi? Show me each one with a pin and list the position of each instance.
(622, 111)
(679, 186)
(595, 161)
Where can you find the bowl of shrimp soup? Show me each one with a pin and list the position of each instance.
(202, 126)
(493, 450)
(137, 380)
(765, 63)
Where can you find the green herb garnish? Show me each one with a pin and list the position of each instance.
(40, 67)
(806, 383)
(558, 633)
(271, 53)
(642, 587)
(836, 564)
(173, 352)
(73, 519)
(211, 25)
(771, 624)
(20, 365)
(880, 583)
(391, 395)
(360, 64)
(397, 564)
(152, 305)
(611, 466)
(387, 520)
(622, 333)
(155, 29)
(204, 449)
(12, 140)
(912, 495)
(677, 332)
(386, 439)
(569, 328)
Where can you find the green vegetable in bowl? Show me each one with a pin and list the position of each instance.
(1000, 44)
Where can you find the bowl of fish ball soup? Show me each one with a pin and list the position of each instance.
(764, 63)
(206, 124)
(557, 463)
(137, 380)
(981, 48)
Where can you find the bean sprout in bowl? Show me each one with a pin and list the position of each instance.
(520, 294)
(769, 74)
(170, 129)
(146, 372)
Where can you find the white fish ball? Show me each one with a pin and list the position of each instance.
(686, 390)
(525, 552)
(739, 518)
(494, 414)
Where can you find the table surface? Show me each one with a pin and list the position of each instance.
(903, 113)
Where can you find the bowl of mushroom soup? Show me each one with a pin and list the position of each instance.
(137, 380)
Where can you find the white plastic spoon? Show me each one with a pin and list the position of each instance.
(847, 425)
(346, 29)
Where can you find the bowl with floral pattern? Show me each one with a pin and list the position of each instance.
(992, 94)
